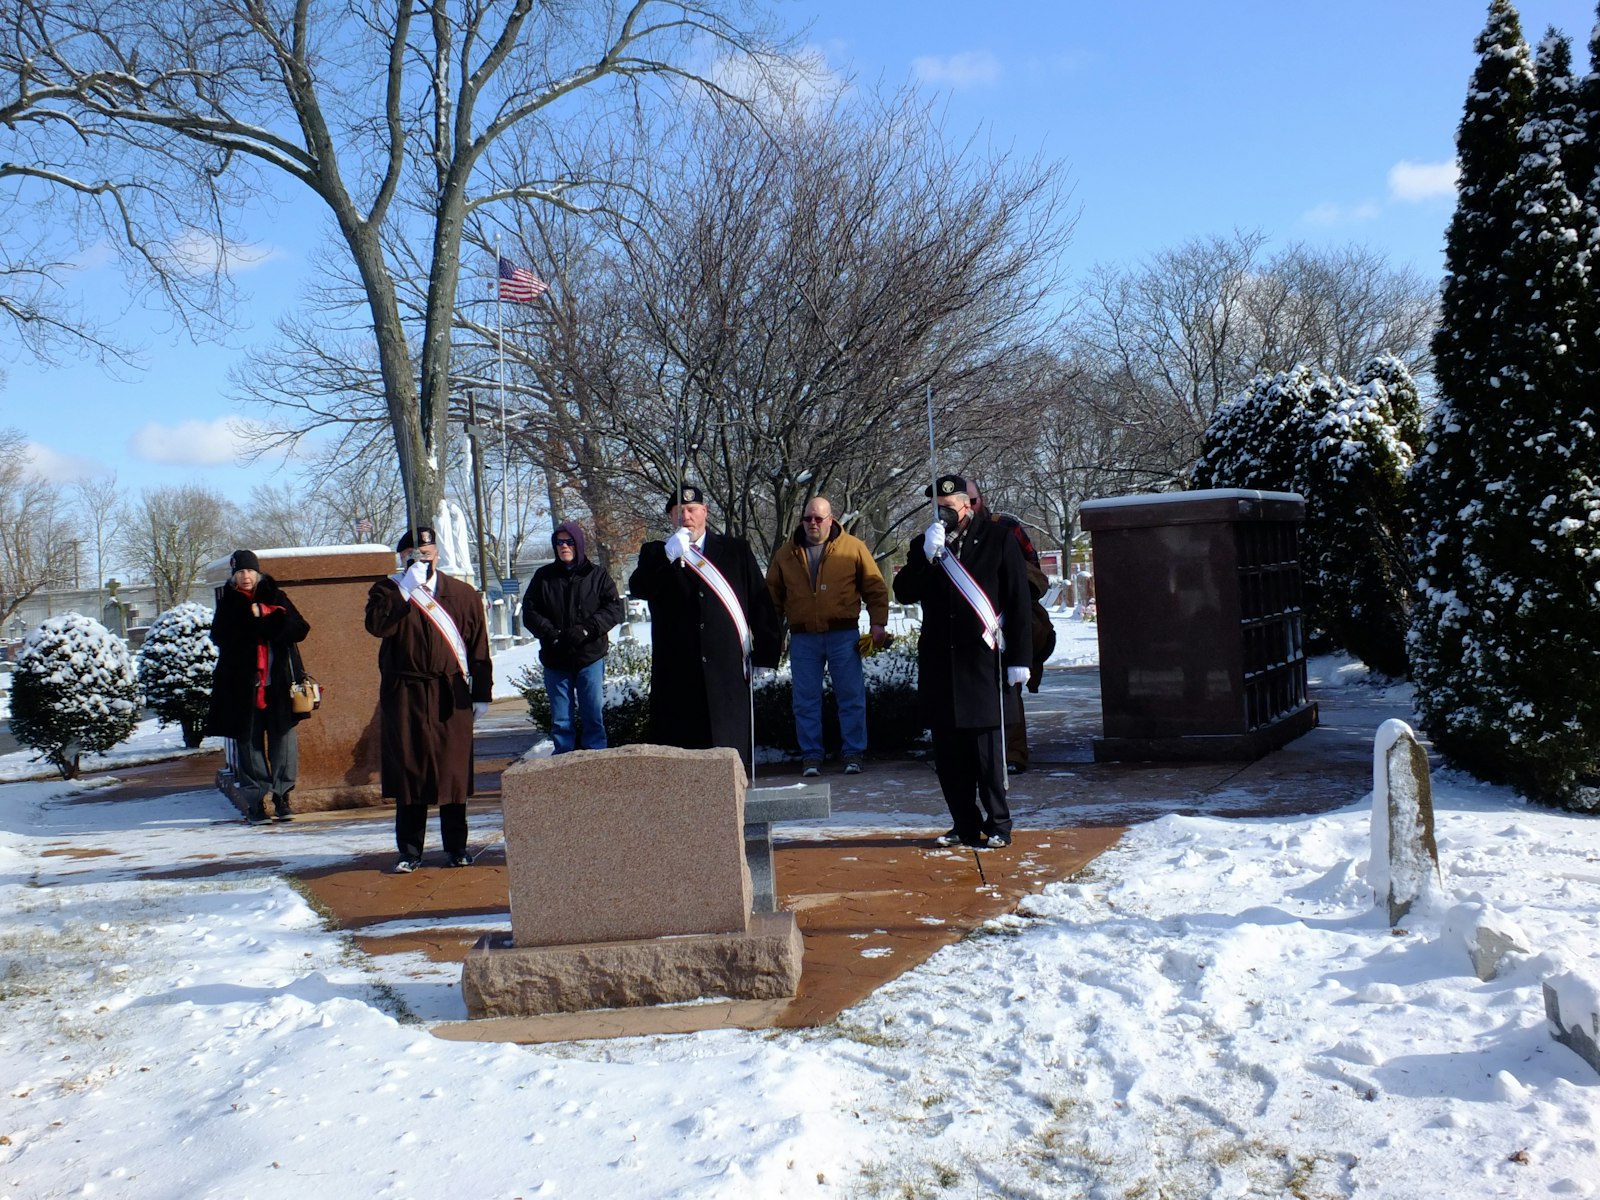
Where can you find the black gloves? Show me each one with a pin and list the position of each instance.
(576, 634)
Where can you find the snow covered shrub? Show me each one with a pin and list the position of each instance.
(74, 690)
(1346, 449)
(175, 667)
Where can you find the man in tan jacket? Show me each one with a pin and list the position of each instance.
(819, 580)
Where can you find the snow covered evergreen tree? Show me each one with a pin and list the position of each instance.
(1257, 439)
(175, 667)
(1356, 561)
(1506, 642)
(74, 690)
(1344, 447)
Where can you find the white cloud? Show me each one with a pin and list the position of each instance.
(1411, 182)
(199, 252)
(62, 468)
(973, 68)
(1329, 213)
(191, 443)
(802, 83)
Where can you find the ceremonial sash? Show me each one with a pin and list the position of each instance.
(993, 636)
(434, 611)
(707, 570)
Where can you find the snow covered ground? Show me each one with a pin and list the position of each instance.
(1216, 1009)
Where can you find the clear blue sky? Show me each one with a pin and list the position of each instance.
(1324, 121)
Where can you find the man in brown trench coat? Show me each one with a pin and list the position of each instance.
(435, 677)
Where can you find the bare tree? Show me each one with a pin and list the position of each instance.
(390, 115)
(100, 504)
(1175, 337)
(37, 547)
(171, 533)
(802, 285)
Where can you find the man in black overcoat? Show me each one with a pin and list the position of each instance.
(699, 681)
(959, 676)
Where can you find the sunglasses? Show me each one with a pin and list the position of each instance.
(815, 520)
(564, 542)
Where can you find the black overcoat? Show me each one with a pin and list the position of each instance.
(424, 702)
(957, 680)
(699, 696)
(558, 598)
(238, 634)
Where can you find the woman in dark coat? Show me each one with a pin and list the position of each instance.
(570, 606)
(254, 626)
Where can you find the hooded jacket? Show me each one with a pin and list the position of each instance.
(571, 609)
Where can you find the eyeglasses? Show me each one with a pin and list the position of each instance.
(815, 520)
(564, 542)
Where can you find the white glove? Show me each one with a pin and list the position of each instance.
(416, 575)
(678, 545)
(1016, 675)
(933, 541)
(762, 674)
(479, 707)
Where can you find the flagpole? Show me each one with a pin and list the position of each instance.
(500, 343)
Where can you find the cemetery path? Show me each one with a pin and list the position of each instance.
(872, 896)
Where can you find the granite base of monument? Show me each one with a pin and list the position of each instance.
(628, 886)
(761, 963)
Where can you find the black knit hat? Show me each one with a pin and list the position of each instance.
(243, 560)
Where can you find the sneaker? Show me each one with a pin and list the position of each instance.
(948, 838)
(997, 841)
(811, 770)
(458, 860)
(407, 865)
(852, 767)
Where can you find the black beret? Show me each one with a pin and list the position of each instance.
(688, 494)
(425, 537)
(948, 485)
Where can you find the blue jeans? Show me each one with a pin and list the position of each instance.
(808, 654)
(589, 684)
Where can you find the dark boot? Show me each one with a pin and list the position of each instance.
(280, 808)
(258, 811)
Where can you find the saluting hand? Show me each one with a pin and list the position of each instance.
(678, 544)
(933, 541)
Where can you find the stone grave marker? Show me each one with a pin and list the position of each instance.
(1572, 1002)
(628, 886)
(1404, 867)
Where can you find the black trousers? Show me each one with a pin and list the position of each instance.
(411, 828)
(971, 765)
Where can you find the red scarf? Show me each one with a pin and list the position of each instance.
(262, 660)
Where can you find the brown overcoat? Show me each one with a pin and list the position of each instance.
(424, 702)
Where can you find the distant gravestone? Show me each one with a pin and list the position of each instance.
(1404, 867)
(628, 886)
(1572, 1002)
(1488, 935)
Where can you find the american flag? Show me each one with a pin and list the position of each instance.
(519, 284)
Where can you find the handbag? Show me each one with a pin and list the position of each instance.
(305, 693)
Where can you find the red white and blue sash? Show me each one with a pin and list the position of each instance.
(707, 570)
(993, 635)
